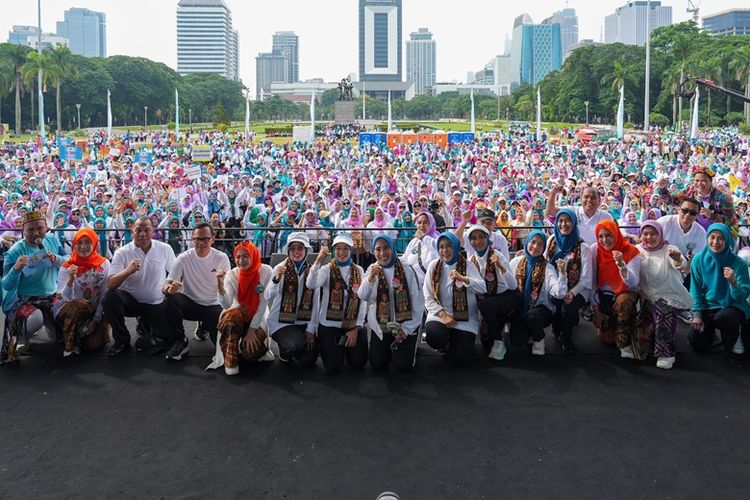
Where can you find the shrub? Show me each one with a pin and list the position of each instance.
(734, 118)
(658, 120)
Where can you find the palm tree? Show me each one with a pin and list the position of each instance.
(741, 66)
(671, 80)
(14, 56)
(30, 72)
(5, 82)
(682, 48)
(60, 66)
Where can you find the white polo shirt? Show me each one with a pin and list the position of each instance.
(587, 226)
(145, 285)
(198, 275)
(691, 242)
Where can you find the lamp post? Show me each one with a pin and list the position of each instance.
(78, 107)
(586, 103)
(507, 114)
(145, 116)
(647, 97)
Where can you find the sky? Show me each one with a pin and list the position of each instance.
(468, 32)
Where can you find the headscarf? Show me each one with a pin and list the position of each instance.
(248, 280)
(102, 235)
(432, 232)
(486, 233)
(565, 244)
(391, 244)
(94, 260)
(608, 272)
(404, 235)
(659, 229)
(531, 262)
(453, 239)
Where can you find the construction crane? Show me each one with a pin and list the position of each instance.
(687, 93)
(694, 8)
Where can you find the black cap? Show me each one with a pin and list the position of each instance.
(486, 213)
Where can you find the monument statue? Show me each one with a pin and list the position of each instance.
(345, 89)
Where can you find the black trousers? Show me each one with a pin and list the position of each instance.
(498, 310)
(732, 323)
(566, 316)
(403, 357)
(118, 305)
(333, 354)
(460, 343)
(180, 307)
(530, 325)
(293, 344)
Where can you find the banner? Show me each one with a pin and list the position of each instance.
(143, 157)
(202, 153)
(71, 154)
(193, 173)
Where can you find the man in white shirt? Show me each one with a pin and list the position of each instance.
(588, 214)
(191, 290)
(135, 282)
(683, 231)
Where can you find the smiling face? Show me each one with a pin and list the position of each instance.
(297, 251)
(383, 252)
(716, 242)
(606, 239)
(423, 224)
(342, 252)
(564, 224)
(478, 240)
(535, 246)
(243, 259)
(650, 237)
(445, 249)
(84, 247)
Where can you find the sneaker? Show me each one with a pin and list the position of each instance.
(231, 370)
(627, 352)
(282, 358)
(150, 346)
(498, 351)
(268, 357)
(178, 349)
(75, 351)
(685, 316)
(200, 334)
(739, 346)
(588, 312)
(118, 349)
(537, 348)
(567, 345)
(665, 363)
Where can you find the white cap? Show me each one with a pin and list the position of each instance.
(478, 227)
(345, 238)
(298, 237)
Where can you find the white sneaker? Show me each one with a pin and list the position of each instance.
(75, 351)
(739, 346)
(685, 316)
(665, 363)
(537, 348)
(627, 352)
(267, 357)
(498, 351)
(234, 370)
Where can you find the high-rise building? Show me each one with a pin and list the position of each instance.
(728, 22)
(86, 31)
(270, 67)
(29, 36)
(380, 41)
(287, 43)
(421, 60)
(628, 24)
(206, 41)
(535, 52)
(568, 21)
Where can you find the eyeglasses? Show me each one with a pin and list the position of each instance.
(202, 239)
(691, 213)
(347, 203)
(417, 205)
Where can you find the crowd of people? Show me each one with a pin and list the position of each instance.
(379, 249)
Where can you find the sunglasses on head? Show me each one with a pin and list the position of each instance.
(687, 211)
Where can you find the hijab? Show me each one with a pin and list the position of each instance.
(659, 229)
(248, 280)
(608, 272)
(453, 239)
(391, 244)
(531, 262)
(94, 260)
(565, 244)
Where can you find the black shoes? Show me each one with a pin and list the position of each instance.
(118, 349)
(178, 349)
(150, 346)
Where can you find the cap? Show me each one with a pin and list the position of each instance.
(298, 238)
(343, 238)
(478, 227)
(486, 213)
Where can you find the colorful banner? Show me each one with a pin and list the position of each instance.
(202, 153)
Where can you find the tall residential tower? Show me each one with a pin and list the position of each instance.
(206, 41)
(86, 31)
(421, 60)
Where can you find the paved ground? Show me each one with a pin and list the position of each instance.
(584, 426)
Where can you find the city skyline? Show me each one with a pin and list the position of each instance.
(468, 36)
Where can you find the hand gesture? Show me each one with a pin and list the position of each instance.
(375, 271)
(675, 255)
(135, 265)
(447, 319)
(561, 265)
(220, 274)
(279, 273)
(495, 260)
(617, 255)
(456, 276)
(172, 287)
(729, 275)
(22, 262)
(466, 216)
(558, 188)
(72, 273)
(322, 255)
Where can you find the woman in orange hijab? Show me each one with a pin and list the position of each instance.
(81, 286)
(617, 267)
(242, 332)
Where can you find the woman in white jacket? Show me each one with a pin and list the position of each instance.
(242, 331)
(450, 293)
(341, 333)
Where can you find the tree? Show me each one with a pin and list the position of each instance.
(14, 56)
(741, 66)
(60, 66)
(6, 80)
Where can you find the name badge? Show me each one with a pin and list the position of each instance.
(260, 288)
(396, 283)
(489, 277)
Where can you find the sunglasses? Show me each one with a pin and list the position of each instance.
(347, 203)
(417, 205)
(202, 239)
(686, 211)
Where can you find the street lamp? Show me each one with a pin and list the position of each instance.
(78, 107)
(145, 116)
(647, 96)
(507, 114)
(190, 117)
(586, 103)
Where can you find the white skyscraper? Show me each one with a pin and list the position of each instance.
(421, 60)
(287, 43)
(628, 24)
(206, 41)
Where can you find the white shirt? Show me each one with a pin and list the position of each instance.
(274, 293)
(231, 289)
(585, 282)
(145, 285)
(320, 278)
(632, 281)
(691, 242)
(554, 286)
(476, 286)
(505, 281)
(419, 254)
(586, 226)
(198, 275)
(369, 291)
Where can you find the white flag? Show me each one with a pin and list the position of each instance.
(473, 116)
(621, 115)
(109, 114)
(247, 119)
(390, 115)
(694, 120)
(312, 117)
(538, 113)
(176, 115)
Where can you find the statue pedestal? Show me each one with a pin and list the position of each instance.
(344, 111)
